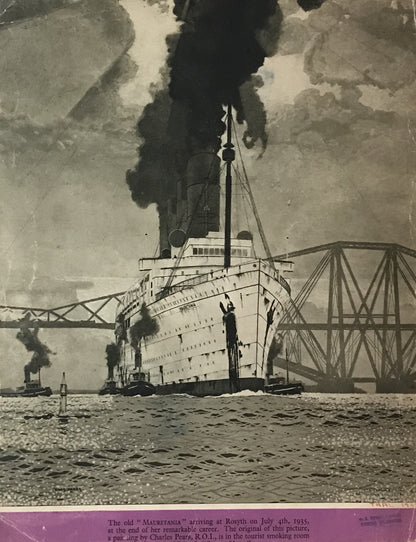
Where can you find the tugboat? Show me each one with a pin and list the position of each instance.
(135, 382)
(111, 385)
(31, 388)
(109, 388)
(279, 385)
(138, 385)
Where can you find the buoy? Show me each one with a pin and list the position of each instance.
(63, 392)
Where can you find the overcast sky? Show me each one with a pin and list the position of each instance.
(339, 164)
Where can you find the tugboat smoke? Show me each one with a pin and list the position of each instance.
(308, 5)
(144, 327)
(113, 358)
(40, 351)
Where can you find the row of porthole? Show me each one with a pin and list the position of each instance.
(179, 329)
(152, 360)
(177, 372)
(175, 352)
(192, 298)
(196, 346)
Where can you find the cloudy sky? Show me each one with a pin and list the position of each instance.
(76, 75)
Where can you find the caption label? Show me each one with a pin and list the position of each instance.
(208, 530)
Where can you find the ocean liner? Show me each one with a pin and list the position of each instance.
(202, 317)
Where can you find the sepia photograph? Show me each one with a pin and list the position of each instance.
(208, 270)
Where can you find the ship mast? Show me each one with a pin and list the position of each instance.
(228, 155)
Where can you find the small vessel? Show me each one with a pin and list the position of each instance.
(110, 387)
(112, 383)
(31, 388)
(279, 385)
(137, 384)
(127, 382)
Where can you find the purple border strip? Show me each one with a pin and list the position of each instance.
(207, 525)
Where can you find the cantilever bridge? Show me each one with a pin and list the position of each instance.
(352, 321)
(368, 320)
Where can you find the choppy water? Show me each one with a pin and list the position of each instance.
(181, 449)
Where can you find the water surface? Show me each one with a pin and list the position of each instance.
(245, 448)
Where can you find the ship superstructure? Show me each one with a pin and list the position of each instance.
(214, 305)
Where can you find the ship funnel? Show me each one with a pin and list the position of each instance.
(177, 238)
(27, 373)
(245, 235)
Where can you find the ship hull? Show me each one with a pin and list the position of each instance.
(144, 389)
(41, 392)
(191, 351)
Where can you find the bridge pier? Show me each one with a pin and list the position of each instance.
(336, 385)
(396, 385)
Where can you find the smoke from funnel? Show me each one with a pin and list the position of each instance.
(144, 327)
(40, 351)
(113, 358)
(211, 63)
(308, 5)
(221, 44)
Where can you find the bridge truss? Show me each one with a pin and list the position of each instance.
(367, 317)
(95, 313)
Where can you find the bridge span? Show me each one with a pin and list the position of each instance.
(94, 313)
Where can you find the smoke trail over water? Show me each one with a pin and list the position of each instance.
(144, 327)
(40, 351)
(113, 358)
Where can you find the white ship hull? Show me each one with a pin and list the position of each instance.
(189, 352)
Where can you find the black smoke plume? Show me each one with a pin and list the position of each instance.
(276, 347)
(112, 352)
(308, 5)
(144, 327)
(41, 351)
(221, 45)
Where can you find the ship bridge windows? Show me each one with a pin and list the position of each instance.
(216, 251)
